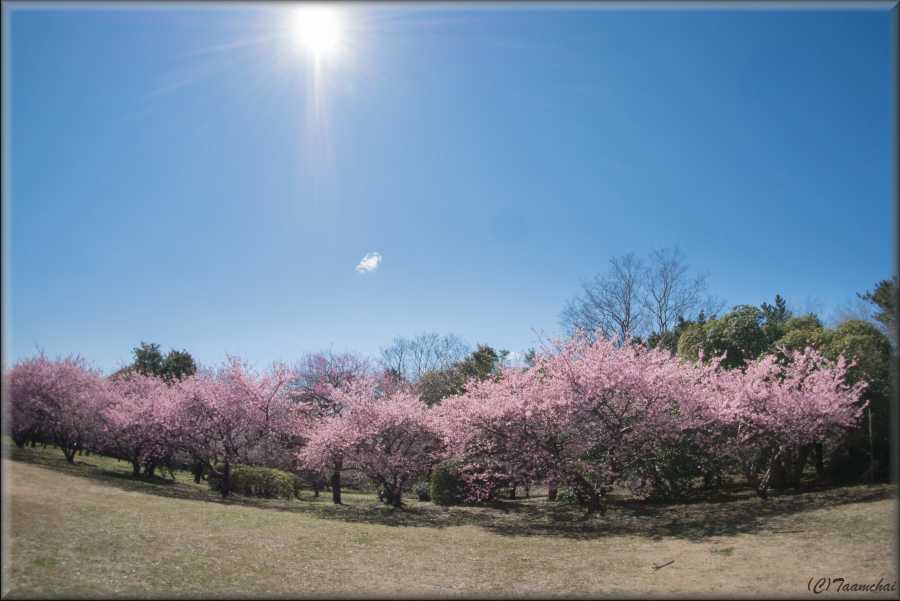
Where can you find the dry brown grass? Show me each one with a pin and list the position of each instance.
(91, 530)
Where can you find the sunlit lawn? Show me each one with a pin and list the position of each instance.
(91, 529)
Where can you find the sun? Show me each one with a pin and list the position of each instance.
(318, 30)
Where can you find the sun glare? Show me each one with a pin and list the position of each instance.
(318, 30)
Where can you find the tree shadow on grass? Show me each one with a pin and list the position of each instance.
(728, 512)
(695, 521)
(102, 470)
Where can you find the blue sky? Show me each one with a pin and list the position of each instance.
(181, 176)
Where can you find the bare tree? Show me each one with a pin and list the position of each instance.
(325, 368)
(609, 304)
(411, 358)
(670, 291)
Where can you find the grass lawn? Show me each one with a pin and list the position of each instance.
(92, 530)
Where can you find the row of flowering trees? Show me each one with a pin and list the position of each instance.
(593, 415)
(586, 415)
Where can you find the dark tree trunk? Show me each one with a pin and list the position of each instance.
(820, 460)
(800, 464)
(150, 469)
(779, 475)
(392, 496)
(226, 480)
(336, 483)
(552, 489)
(512, 492)
(136, 468)
(593, 503)
(70, 454)
(762, 486)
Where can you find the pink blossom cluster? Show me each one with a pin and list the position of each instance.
(216, 417)
(777, 409)
(137, 423)
(227, 415)
(593, 414)
(55, 401)
(383, 431)
(588, 415)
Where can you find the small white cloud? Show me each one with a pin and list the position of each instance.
(369, 263)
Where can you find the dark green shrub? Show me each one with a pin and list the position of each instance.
(673, 470)
(423, 491)
(296, 485)
(252, 481)
(447, 486)
(566, 496)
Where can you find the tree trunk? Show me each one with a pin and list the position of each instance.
(552, 489)
(872, 462)
(779, 471)
(762, 488)
(136, 468)
(226, 480)
(70, 454)
(820, 460)
(392, 496)
(336, 483)
(800, 464)
(593, 502)
(512, 492)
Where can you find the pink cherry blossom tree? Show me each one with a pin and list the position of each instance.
(775, 410)
(226, 414)
(588, 415)
(139, 422)
(593, 414)
(25, 423)
(317, 376)
(383, 430)
(63, 400)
